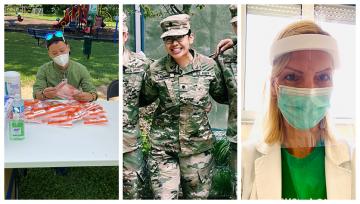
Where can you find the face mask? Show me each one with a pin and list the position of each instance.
(61, 60)
(303, 108)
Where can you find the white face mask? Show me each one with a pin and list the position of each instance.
(61, 60)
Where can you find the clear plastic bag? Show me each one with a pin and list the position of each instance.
(66, 91)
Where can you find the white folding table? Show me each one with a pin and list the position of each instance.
(80, 145)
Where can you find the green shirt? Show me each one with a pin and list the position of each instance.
(49, 75)
(303, 178)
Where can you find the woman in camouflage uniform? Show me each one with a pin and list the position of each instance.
(180, 135)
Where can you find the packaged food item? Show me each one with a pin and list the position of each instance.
(97, 120)
(31, 114)
(64, 113)
(30, 102)
(77, 113)
(60, 124)
(96, 111)
(60, 120)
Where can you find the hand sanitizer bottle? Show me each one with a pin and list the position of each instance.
(17, 128)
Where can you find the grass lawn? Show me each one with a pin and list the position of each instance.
(22, 54)
(78, 183)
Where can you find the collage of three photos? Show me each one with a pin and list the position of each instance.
(182, 68)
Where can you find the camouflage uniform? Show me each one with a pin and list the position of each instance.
(180, 135)
(227, 61)
(133, 163)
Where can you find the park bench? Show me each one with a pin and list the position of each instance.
(71, 27)
(38, 34)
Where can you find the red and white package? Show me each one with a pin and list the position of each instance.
(60, 120)
(31, 114)
(64, 113)
(95, 120)
(47, 111)
(96, 111)
(30, 102)
(66, 91)
(77, 113)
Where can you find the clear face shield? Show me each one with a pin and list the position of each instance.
(301, 90)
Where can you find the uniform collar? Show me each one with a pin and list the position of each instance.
(172, 67)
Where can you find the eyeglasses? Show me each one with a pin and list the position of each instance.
(171, 39)
(57, 34)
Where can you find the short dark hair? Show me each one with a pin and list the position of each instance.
(54, 40)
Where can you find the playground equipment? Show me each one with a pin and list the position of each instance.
(83, 18)
(75, 17)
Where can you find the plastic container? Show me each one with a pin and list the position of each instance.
(12, 83)
(7, 111)
(18, 106)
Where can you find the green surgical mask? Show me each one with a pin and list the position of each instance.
(303, 108)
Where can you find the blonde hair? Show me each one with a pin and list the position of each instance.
(274, 122)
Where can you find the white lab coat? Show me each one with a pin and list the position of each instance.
(261, 171)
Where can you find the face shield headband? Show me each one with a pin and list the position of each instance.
(305, 42)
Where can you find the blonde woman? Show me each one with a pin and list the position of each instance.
(298, 157)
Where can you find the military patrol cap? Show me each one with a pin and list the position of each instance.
(124, 18)
(175, 25)
(233, 11)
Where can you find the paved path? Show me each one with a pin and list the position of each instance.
(12, 22)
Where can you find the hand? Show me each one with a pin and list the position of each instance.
(223, 45)
(208, 108)
(50, 92)
(83, 96)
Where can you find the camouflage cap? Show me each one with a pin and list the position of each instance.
(175, 25)
(233, 11)
(124, 18)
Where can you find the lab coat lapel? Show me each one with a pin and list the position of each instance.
(338, 178)
(268, 172)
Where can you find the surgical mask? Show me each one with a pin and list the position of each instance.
(61, 60)
(303, 108)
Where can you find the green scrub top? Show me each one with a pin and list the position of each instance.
(304, 178)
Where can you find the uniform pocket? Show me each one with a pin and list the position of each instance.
(170, 90)
(194, 90)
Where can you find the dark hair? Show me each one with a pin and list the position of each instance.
(189, 32)
(54, 40)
